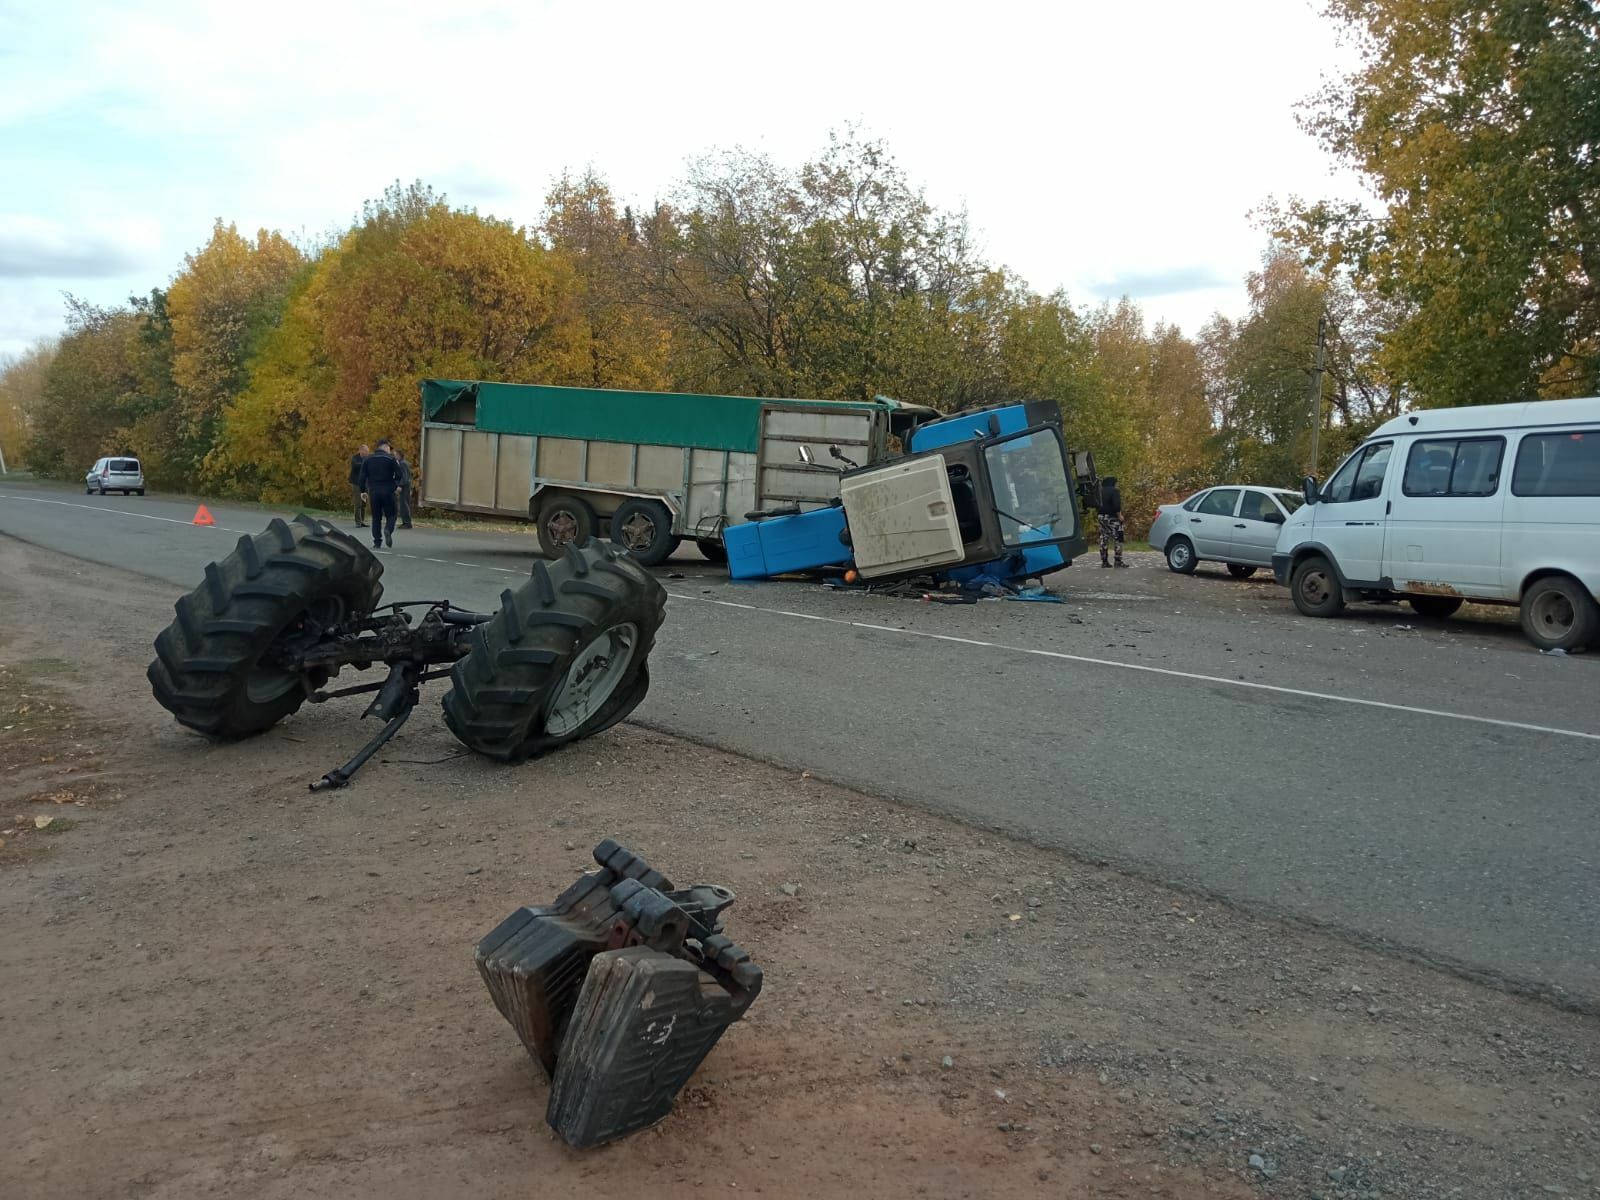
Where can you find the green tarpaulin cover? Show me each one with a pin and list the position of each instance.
(603, 414)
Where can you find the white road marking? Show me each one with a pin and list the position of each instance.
(1167, 671)
(946, 637)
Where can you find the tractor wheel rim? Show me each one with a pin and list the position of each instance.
(562, 527)
(594, 675)
(1553, 614)
(638, 531)
(267, 681)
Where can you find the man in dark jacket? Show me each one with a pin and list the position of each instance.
(356, 459)
(380, 476)
(1110, 520)
(404, 494)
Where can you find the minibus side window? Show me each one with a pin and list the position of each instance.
(1361, 477)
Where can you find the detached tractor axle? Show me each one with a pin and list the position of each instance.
(409, 649)
(564, 656)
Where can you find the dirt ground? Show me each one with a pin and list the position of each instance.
(217, 983)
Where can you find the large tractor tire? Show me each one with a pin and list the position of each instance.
(563, 659)
(213, 668)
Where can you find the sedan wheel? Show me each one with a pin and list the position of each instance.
(1180, 556)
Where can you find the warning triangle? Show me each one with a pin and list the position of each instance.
(203, 517)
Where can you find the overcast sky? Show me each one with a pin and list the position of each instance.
(1109, 149)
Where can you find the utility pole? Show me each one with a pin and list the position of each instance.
(1316, 389)
(3, 470)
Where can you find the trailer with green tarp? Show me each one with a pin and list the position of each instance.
(647, 469)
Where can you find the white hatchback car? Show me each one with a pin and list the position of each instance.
(1233, 525)
(117, 474)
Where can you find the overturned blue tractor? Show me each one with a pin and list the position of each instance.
(991, 492)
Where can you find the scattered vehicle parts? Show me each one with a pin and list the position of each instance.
(618, 991)
(564, 656)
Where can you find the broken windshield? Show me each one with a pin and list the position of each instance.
(1031, 494)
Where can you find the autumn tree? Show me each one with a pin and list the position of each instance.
(416, 289)
(1476, 125)
(628, 345)
(229, 293)
(90, 392)
(1147, 408)
(837, 280)
(22, 382)
(1259, 370)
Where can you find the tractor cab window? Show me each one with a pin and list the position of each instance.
(964, 494)
(1032, 497)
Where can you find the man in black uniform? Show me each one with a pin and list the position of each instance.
(380, 476)
(1110, 520)
(356, 459)
(404, 495)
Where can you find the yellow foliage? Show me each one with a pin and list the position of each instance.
(450, 294)
(225, 297)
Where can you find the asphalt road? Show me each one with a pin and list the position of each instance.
(1431, 785)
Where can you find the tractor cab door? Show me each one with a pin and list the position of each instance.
(1030, 487)
(903, 517)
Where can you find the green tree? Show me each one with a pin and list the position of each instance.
(1476, 125)
(1147, 407)
(90, 393)
(1258, 372)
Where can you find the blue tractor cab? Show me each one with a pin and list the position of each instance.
(986, 492)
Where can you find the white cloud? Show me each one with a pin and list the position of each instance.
(40, 247)
(1090, 144)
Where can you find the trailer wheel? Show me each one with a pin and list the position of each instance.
(214, 667)
(644, 529)
(564, 658)
(564, 521)
(713, 549)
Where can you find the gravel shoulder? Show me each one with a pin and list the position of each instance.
(217, 982)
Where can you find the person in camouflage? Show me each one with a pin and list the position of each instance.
(1110, 521)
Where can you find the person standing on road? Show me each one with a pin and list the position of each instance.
(380, 476)
(1110, 520)
(356, 494)
(404, 494)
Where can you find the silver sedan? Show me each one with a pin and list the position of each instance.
(1233, 525)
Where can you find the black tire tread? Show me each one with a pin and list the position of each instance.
(219, 631)
(500, 691)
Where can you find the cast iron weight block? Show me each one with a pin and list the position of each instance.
(534, 961)
(618, 990)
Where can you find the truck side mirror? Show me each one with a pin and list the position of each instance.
(805, 455)
(1308, 488)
